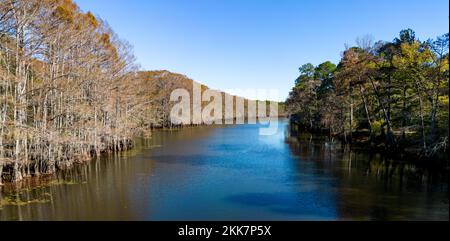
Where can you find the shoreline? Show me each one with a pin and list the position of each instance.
(407, 152)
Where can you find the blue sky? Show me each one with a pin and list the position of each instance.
(241, 44)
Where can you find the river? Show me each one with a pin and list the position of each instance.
(233, 173)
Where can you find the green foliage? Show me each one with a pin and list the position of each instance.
(390, 88)
(306, 74)
(406, 36)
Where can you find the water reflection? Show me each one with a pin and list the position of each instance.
(90, 192)
(372, 187)
(233, 173)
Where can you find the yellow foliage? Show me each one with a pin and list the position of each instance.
(412, 56)
(105, 39)
(92, 20)
(377, 126)
(443, 100)
(64, 14)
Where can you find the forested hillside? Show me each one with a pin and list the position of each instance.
(391, 95)
(155, 88)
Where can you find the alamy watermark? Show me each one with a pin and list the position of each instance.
(231, 112)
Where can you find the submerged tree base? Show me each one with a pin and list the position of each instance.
(56, 160)
(407, 150)
(33, 190)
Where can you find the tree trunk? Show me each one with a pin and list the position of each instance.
(1, 173)
(351, 119)
(17, 174)
(422, 124)
(366, 108)
(422, 121)
(433, 121)
(390, 139)
(404, 114)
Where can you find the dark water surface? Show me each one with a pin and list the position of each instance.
(233, 173)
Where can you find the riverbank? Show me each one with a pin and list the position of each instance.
(408, 150)
(47, 165)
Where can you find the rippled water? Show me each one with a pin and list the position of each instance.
(233, 173)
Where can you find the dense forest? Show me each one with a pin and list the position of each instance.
(65, 89)
(388, 95)
(70, 89)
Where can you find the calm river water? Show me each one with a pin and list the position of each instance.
(233, 173)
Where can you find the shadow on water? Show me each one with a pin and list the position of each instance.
(303, 204)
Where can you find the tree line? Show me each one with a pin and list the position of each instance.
(66, 92)
(393, 95)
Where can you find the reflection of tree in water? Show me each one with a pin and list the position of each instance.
(96, 191)
(371, 186)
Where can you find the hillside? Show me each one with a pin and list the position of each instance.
(157, 86)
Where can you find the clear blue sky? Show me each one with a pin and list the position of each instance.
(228, 44)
